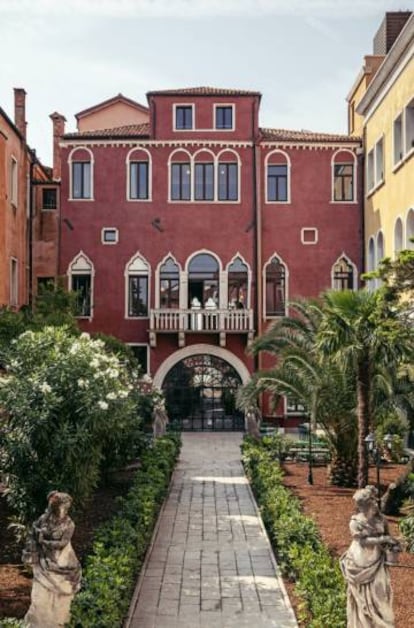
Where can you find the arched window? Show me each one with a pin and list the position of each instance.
(398, 236)
(137, 280)
(180, 175)
(228, 176)
(169, 284)
(343, 274)
(410, 230)
(204, 176)
(80, 274)
(81, 173)
(203, 279)
(343, 177)
(275, 288)
(138, 175)
(380, 248)
(277, 177)
(237, 278)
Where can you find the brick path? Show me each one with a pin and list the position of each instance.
(211, 564)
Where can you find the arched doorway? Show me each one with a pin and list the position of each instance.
(200, 392)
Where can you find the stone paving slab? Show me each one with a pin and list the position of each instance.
(211, 564)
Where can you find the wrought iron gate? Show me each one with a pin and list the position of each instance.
(200, 392)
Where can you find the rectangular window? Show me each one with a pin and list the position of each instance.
(224, 117)
(343, 182)
(293, 406)
(204, 182)
(14, 291)
(137, 295)
(81, 284)
(277, 183)
(169, 293)
(109, 236)
(49, 198)
(13, 181)
(409, 127)
(81, 179)
(180, 182)
(184, 117)
(138, 177)
(398, 140)
(379, 161)
(228, 182)
(370, 170)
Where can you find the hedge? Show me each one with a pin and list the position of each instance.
(301, 554)
(120, 545)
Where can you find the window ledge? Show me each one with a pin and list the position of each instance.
(332, 202)
(278, 202)
(139, 200)
(403, 160)
(376, 187)
(81, 200)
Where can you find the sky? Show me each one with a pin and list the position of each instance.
(302, 55)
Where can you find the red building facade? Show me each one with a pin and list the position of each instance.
(186, 229)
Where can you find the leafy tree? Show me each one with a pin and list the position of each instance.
(364, 333)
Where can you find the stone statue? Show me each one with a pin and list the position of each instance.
(365, 565)
(56, 570)
(253, 420)
(160, 421)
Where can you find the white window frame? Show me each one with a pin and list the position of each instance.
(354, 270)
(239, 173)
(107, 242)
(249, 279)
(289, 169)
(233, 116)
(143, 269)
(372, 159)
(71, 159)
(158, 279)
(398, 119)
(128, 160)
(85, 267)
(309, 229)
(174, 109)
(408, 142)
(335, 162)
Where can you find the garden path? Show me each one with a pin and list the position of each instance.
(211, 564)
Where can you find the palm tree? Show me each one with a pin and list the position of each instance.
(361, 331)
(312, 379)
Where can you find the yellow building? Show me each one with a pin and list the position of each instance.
(381, 109)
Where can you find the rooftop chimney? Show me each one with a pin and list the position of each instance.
(20, 110)
(391, 27)
(58, 130)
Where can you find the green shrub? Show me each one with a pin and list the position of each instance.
(119, 549)
(301, 553)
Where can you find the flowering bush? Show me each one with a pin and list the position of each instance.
(69, 410)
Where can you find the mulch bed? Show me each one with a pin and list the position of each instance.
(15, 580)
(332, 507)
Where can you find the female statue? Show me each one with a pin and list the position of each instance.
(365, 565)
(56, 570)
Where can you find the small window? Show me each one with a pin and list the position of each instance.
(309, 235)
(224, 117)
(137, 296)
(228, 182)
(169, 285)
(81, 284)
(109, 236)
(398, 140)
(81, 179)
(409, 127)
(13, 182)
(237, 277)
(343, 275)
(14, 290)
(277, 183)
(204, 182)
(379, 161)
(183, 117)
(138, 177)
(49, 198)
(275, 288)
(293, 406)
(343, 182)
(180, 182)
(370, 170)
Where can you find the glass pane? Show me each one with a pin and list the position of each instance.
(209, 170)
(133, 180)
(222, 183)
(282, 191)
(203, 263)
(185, 182)
(77, 180)
(271, 189)
(81, 284)
(233, 186)
(86, 180)
(175, 181)
(138, 296)
(199, 182)
(143, 180)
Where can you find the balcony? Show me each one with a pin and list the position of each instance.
(203, 321)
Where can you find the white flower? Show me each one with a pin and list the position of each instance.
(94, 363)
(147, 378)
(112, 373)
(85, 336)
(83, 383)
(45, 388)
(103, 405)
(74, 348)
(111, 395)
(122, 394)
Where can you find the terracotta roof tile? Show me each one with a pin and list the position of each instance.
(203, 91)
(304, 136)
(132, 130)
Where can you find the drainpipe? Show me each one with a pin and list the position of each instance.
(33, 160)
(258, 318)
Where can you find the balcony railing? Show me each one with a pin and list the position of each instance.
(201, 321)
